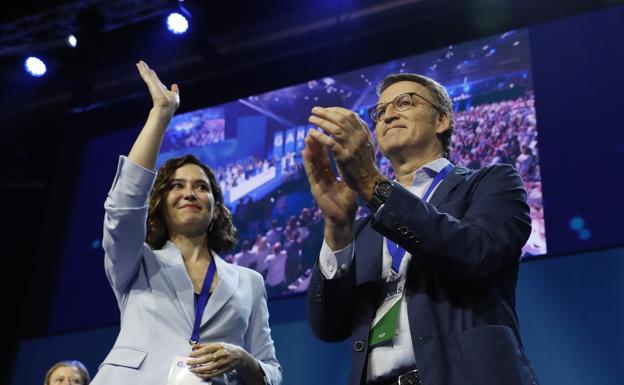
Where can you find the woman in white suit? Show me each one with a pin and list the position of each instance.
(187, 316)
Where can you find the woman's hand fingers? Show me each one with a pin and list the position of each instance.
(161, 96)
(215, 359)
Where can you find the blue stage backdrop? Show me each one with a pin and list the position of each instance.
(546, 99)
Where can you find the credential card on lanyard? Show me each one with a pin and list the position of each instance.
(386, 319)
(179, 374)
(385, 322)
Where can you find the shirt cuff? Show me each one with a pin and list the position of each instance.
(333, 264)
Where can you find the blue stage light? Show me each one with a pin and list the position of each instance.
(584, 234)
(577, 223)
(35, 66)
(177, 23)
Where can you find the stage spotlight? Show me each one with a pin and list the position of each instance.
(577, 223)
(35, 66)
(72, 41)
(177, 23)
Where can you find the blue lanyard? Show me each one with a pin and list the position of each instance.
(396, 251)
(436, 181)
(203, 300)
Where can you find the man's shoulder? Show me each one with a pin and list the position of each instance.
(498, 169)
(500, 176)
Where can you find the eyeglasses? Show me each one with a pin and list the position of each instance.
(402, 102)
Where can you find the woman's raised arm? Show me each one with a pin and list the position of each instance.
(147, 145)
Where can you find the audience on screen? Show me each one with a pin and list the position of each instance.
(196, 132)
(275, 263)
(500, 132)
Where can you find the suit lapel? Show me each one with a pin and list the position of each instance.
(228, 282)
(183, 288)
(368, 244)
(451, 180)
(179, 279)
(368, 248)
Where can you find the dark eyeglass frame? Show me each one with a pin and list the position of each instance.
(372, 112)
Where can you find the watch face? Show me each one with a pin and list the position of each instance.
(384, 188)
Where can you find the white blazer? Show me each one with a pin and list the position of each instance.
(156, 297)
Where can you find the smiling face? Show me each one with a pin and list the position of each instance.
(414, 130)
(189, 202)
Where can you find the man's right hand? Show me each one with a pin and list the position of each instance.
(335, 199)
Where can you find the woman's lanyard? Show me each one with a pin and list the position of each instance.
(203, 300)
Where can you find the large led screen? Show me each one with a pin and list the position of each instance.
(253, 144)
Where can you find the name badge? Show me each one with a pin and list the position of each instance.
(179, 373)
(384, 326)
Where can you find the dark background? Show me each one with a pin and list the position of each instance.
(237, 48)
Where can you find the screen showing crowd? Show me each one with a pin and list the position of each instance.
(254, 144)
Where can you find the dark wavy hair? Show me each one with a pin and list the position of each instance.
(222, 234)
(442, 101)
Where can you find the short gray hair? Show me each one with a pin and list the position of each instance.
(441, 100)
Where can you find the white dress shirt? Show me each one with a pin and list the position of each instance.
(385, 359)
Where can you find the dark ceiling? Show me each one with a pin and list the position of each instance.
(234, 48)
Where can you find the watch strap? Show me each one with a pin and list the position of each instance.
(380, 193)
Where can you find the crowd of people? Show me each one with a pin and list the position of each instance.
(197, 131)
(505, 132)
(486, 134)
(235, 173)
(285, 252)
(279, 240)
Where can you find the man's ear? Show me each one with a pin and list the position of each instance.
(443, 123)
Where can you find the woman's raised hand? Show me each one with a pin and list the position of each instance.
(147, 145)
(168, 100)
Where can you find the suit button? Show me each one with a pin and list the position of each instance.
(396, 225)
(404, 230)
(358, 346)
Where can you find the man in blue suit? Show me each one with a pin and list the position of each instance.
(425, 286)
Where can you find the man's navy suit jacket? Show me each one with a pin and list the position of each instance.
(460, 289)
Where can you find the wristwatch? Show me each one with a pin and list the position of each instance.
(381, 192)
